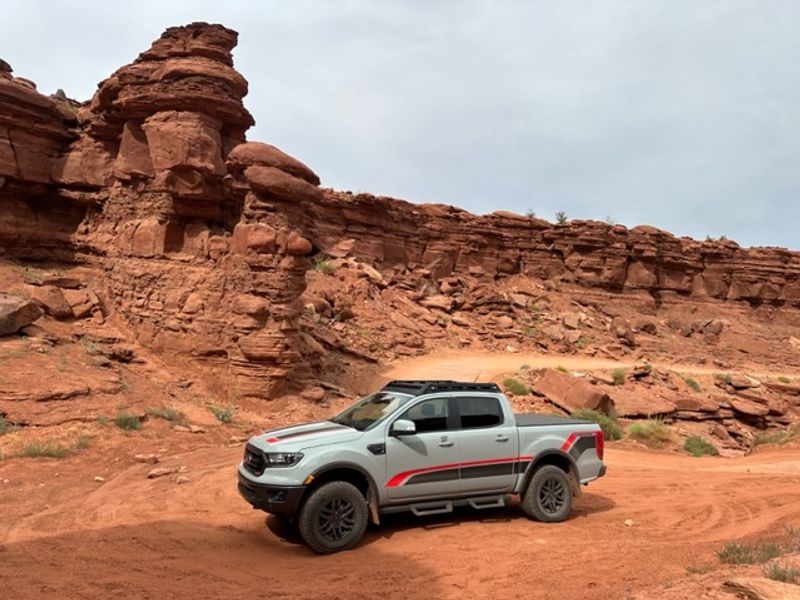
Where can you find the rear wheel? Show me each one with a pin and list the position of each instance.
(333, 518)
(548, 497)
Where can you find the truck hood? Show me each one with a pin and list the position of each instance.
(307, 435)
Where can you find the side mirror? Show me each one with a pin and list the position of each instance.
(403, 427)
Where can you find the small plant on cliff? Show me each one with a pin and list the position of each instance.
(323, 265)
(224, 414)
(692, 383)
(618, 375)
(778, 437)
(583, 341)
(609, 425)
(697, 446)
(653, 433)
(127, 421)
(530, 213)
(516, 387)
(784, 379)
(726, 377)
(561, 217)
(168, 414)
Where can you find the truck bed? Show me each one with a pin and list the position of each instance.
(534, 420)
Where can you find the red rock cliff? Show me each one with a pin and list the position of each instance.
(204, 238)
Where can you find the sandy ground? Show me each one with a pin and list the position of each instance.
(64, 535)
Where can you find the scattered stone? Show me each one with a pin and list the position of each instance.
(99, 479)
(16, 313)
(196, 429)
(147, 458)
(161, 472)
(238, 439)
(571, 393)
(629, 523)
(314, 394)
(182, 479)
(181, 429)
(571, 321)
(647, 326)
(748, 407)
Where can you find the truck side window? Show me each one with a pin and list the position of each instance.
(430, 415)
(479, 412)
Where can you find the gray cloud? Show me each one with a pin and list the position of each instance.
(675, 113)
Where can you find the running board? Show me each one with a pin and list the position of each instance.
(440, 507)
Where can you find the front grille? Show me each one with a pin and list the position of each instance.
(254, 460)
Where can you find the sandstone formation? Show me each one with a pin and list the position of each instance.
(204, 238)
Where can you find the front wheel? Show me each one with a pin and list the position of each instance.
(333, 518)
(548, 497)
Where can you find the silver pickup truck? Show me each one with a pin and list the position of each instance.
(419, 446)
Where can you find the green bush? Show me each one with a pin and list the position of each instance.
(166, 413)
(736, 553)
(775, 437)
(126, 421)
(726, 377)
(779, 572)
(653, 433)
(618, 375)
(323, 265)
(43, 449)
(697, 446)
(784, 379)
(692, 383)
(561, 217)
(516, 387)
(609, 425)
(224, 414)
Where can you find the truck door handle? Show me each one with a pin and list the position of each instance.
(444, 442)
(501, 438)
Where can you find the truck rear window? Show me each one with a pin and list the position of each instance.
(479, 412)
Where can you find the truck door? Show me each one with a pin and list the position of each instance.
(425, 464)
(487, 443)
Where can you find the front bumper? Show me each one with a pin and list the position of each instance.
(275, 499)
(602, 472)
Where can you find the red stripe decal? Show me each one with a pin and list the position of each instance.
(271, 440)
(572, 437)
(403, 475)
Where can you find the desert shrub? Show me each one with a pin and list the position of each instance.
(778, 572)
(5, 426)
(127, 421)
(562, 368)
(698, 569)
(224, 414)
(784, 379)
(618, 375)
(166, 413)
(530, 213)
(323, 265)
(697, 446)
(653, 433)
(692, 383)
(609, 425)
(737, 553)
(43, 449)
(516, 387)
(583, 341)
(561, 217)
(726, 377)
(775, 437)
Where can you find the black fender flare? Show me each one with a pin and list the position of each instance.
(539, 459)
(372, 491)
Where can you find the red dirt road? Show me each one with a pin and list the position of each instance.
(133, 537)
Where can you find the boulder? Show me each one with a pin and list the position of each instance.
(52, 300)
(647, 326)
(274, 183)
(623, 330)
(439, 302)
(16, 313)
(748, 407)
(571, 393)
(761, 588)
(267, 155)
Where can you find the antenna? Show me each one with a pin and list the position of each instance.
(476, 377)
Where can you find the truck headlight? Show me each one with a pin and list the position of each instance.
(282, 459)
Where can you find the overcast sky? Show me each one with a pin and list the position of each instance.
(677, 113)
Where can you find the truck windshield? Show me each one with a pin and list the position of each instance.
(366, 412)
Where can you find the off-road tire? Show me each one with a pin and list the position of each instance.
(548, 497)
(333, 518)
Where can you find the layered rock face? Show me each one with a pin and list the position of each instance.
(593, 254)
(204, 238)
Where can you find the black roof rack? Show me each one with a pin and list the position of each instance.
(418, 388)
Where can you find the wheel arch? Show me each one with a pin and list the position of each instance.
(351, 473)
(557, 458)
